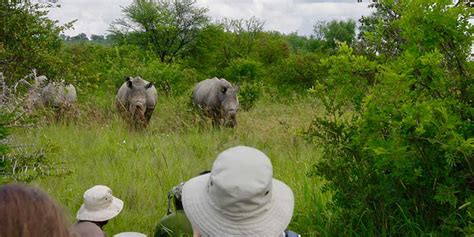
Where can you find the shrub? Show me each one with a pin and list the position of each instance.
(240, 70)
(28, 39)
(398, 148)
(272, 48)
(299, 71)
(171, 79)
(3, 146)
(249, 93)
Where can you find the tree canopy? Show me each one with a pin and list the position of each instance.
(167, 28)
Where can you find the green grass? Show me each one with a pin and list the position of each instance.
(140, 167)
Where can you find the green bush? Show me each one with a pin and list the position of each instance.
(299, 71)
(3, 146)
(28, 39)
(272, 48)
(249, 93)
(240, 70)
(171, 79)
(398, 136)
(97, 70)
(20, 162)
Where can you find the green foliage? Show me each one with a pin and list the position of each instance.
(4, 118)
(398, 135)
(28, 39)
(171, 79)
(206, 55)
(272, 48)
(21, 163)
(249, 93)
(99, 69)
(168, 28)
(242, 37)
(347, 79)
(241, 69)
(301, 44)
(334, 32)
(300, 71)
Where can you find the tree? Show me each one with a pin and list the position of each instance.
(271, 48)
(387, 42)
(243, 36)
(206, 54)
(82, 37)
(334, 31)
(28, 38)
(168, 28)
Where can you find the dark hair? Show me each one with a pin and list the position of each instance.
(26, 211)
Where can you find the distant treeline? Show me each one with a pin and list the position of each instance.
(82, 37)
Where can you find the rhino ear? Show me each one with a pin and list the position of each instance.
(149, 85)
(129, 84)
(224, 89)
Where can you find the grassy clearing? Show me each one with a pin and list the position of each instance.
(141, 167)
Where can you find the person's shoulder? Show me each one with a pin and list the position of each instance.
(86, 229)
(174, 224)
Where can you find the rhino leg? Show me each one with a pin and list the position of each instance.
(122, 108)
(216, 117)
(230, 122)
(148, 113)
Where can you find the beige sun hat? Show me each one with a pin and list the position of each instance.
(239, 197)
(99, 205)
(130, 234)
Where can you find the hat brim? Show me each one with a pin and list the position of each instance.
(100, 215)
(210, 222)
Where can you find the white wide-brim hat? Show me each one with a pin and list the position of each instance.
(130, 234)
(222, 213)
(99, 205)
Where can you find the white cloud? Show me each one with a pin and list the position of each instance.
(93, 16)
(286, 16)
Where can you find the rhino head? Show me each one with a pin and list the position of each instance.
(229, 104)
(136, 100)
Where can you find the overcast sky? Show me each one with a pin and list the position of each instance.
(286, 16)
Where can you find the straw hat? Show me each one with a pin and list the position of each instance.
(239, 197)
(99, 205)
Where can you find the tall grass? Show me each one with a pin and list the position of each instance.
(141, 167)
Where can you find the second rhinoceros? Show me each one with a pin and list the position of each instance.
(52, 94)
(136, 101)
(218, 98)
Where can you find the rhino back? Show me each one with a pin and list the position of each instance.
(71, 95)
(49, 94)
(151, 97)
(206, 92)
(121, 97)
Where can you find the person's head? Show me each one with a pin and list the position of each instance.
(99, 205)
(239, 197)
(27, 211)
